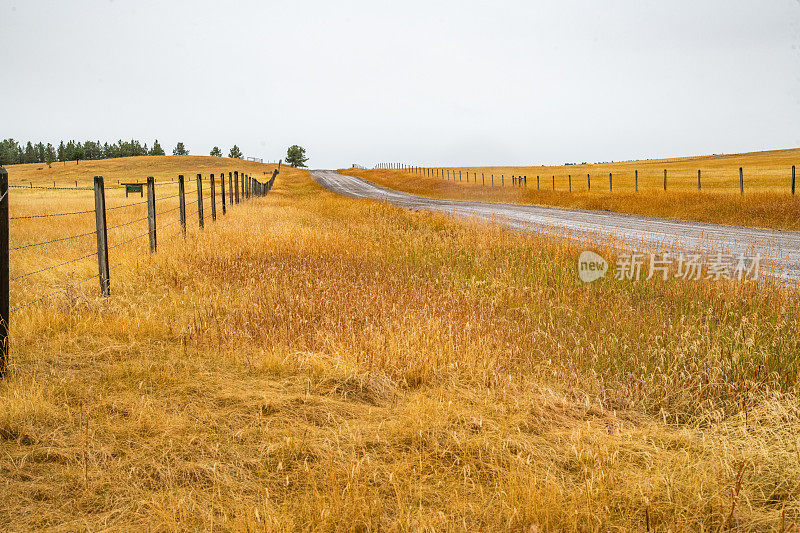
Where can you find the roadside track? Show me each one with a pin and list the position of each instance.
(780, 250)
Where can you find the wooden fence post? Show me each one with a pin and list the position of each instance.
(665, 179)
(492, 180)
(483, 179)
(242, 178)
(741, 182)
(636, 180)
(610, 183)
(236, 185)
(537, 183)
(182, 203)
(570, 182)
(588, 182)
(230, 188)
(201, 225)
(554, 183)
(213, 199)
(792, 180)
(698, 180)
(102, 235)
(151, 212)
(222, 190)
(4, 279)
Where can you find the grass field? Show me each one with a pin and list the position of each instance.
(316, 362)
(767, 200)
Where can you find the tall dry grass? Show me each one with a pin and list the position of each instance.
(314, 362)
(767, 201)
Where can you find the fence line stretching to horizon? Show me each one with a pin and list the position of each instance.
(241, 187)
(522, 181)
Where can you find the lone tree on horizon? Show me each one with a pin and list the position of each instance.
(216, 152)
(235, 153)
(180, 150)
(296, 156)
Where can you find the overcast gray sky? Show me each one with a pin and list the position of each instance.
(438, 83)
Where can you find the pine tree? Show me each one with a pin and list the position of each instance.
(30, 153)
(235, 153)
(62, 152)
(49, 154)
(296, 156)
(156, 149)
(216, 152)
(180, 149)
(39, 148)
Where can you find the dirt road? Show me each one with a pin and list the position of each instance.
(780, 250)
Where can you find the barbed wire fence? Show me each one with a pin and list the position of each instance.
(241, 187)
(522, 181)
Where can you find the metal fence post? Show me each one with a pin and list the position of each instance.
(213, 199)
(200, 201)
(4, 280)
(151, 212)
(102, 235)
(182, 203)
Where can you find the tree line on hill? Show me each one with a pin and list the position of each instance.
(12, 152)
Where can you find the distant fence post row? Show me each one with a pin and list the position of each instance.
(250, 187)
(523, 180)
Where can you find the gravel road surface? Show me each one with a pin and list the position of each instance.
(780, 250)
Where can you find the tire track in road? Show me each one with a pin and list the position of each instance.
(779, 249)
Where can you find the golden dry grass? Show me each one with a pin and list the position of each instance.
(315, 362)
(767, 201)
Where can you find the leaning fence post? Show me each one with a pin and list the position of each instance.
(151, 212)
(4, 280)
(200, 201)
(182, 203)
(213, 199)
(741, 181)
(792, 179)
(102, 235)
